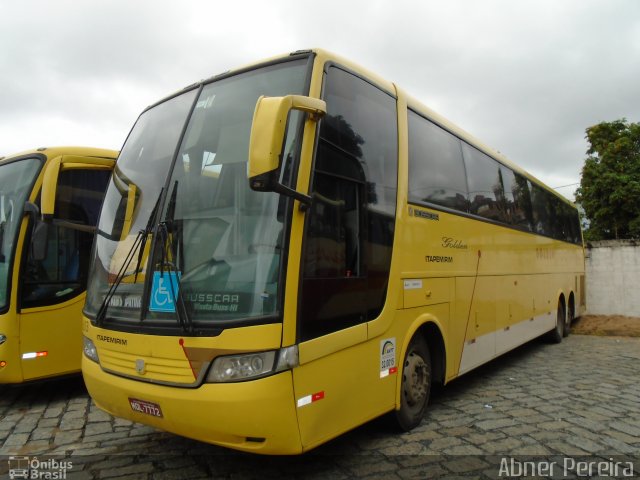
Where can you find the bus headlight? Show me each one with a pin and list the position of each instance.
(89, 349)
(236, 368)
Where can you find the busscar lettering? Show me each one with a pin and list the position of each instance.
(423, 214)
(438, 259)
(215, 302)
(116, 340)
(214, 298)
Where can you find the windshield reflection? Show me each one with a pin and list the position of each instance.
(16, 182)
(213, 254)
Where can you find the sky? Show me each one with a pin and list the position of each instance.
(526, 77)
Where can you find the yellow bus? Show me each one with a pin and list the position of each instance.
(293, 248)
(50, 200)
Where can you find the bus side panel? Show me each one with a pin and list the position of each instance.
(339, 391)
(51, 339)
(458, 325)
(480, 341)
(10, 349)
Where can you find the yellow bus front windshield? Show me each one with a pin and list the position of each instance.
(16, 181)
(199, 248)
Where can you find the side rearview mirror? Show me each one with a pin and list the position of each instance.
(268, 132)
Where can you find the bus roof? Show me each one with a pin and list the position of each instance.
(323, 56)
(52, 152)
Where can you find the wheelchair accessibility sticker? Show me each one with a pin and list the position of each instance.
(164, 291)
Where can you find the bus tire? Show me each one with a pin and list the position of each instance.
(555, 335)
(571, 313)
(415, 384)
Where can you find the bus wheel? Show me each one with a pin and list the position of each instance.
(555, 335)
(569, 320)
(416, 384)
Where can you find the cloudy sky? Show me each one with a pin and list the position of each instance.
(526, 77)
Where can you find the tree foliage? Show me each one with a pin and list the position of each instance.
(609, 188)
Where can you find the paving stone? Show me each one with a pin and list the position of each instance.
(495, 424)
(72, 423)
(45, 433)
(439, 444)
(626, 427)
(16, 440)
(466, 464)
(586, 444)
(192, 472)
(53, 412)
(67, 437)
(98, 416)
(135, 471)
(97, 428)
(422, 472)
(48, 422)
(458, 450)
(518, 430)
(372, 466)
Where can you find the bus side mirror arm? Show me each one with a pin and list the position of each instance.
(268, 132)
(305, 200)
(39, 232)
(31, 209)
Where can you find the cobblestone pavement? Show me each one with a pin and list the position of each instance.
(576, 400)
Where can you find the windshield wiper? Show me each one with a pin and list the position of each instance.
(166, 233)
(165, 237)
(139, 242)
(2, 257)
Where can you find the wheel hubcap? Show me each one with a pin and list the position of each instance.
(416, 378)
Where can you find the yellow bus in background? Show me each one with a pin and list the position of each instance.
(296, 247)
(50, 200)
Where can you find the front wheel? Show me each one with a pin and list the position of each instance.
(416, 384)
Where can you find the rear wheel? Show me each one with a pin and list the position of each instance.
(571, 313)
(416, 384)
(555, 335)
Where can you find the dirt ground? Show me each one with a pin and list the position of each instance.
(607, 325)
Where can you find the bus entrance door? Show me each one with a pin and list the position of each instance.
(55, 270)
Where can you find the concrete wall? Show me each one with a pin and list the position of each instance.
(613, 278)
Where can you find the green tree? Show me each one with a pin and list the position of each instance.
(609, 188)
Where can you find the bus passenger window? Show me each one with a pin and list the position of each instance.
(436, 170)
(541, 215)
(522, 209)
(486, 189)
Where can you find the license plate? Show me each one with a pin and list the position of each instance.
(148, 408)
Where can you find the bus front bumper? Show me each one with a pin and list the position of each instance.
(256, 416)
